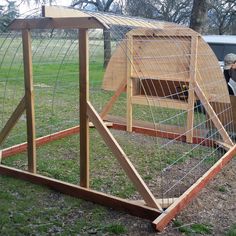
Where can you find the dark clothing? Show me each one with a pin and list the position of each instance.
(232, 74)
(227, 75)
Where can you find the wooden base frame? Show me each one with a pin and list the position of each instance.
(150, 207)
(137, 208)
(83, 193)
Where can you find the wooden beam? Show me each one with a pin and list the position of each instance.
(29, 100)
(191, 94)
(122, 158)
(159, 102)
(161, 222)
(12, 120)
(165, 134)
(113, 99)
(223, 145)
(19, 148)
(83, 193)
(56, 23)
(84, 97)
(165, 77)
(212, 115)
(164, 202)
(129, 82)
(59, 12)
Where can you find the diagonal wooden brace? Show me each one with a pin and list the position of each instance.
(113, 99)
(161, 222)
(213, 116)
(12, 120)
(122, 158)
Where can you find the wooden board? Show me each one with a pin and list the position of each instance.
(56, 23)
(12, 120)
(84, 97)
(29, 100)
(161, 222)
(83, 193)
(191, 92)
(122, 158)
(159, 102)
(105, 19)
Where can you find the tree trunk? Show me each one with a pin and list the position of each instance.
(107, 46)
(233, 30)
(199, 15)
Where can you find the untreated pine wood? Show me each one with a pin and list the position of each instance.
(19, 148)
(122, 158)
(56, 23)
(12, 120)
(159, 102)
(161, 222)
(29, 99)
(129, 89)
(113, 99)
(164, 202)
(84, 97)
(83, 193)
(191, 94)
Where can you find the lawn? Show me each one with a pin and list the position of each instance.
(27, 209)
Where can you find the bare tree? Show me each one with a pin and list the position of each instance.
(177, 11)
(222, 15)
(199, 15)
(100, 5)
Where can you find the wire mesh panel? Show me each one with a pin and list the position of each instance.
(157, 84)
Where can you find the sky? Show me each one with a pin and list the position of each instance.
(24, 7)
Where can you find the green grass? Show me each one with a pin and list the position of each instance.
(29, 209)
(115, 229)
(231, 231)
(193, 229)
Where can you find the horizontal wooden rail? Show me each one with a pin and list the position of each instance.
(56, 23)
(19, 148)
(83, 193)
(16, 149)
(159, 102)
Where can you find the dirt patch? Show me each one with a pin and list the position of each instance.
(215, 206)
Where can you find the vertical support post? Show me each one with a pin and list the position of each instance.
(129, 62)
(29, 100)
(84, 97)
(191, 94)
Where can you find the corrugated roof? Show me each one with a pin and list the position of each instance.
(107, 19)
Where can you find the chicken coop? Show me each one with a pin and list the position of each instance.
(130, 113)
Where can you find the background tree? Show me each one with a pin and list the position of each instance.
(177, 11)
(8, 12)
(199, 15)
(104, 6)
(222, 16)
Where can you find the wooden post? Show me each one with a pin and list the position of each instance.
(84, 97)
(191, 94)
(29, 99)
(129, 56)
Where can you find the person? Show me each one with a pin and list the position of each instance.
(230, 70)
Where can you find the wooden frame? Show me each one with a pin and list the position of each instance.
(56, 23)
(150, 208)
